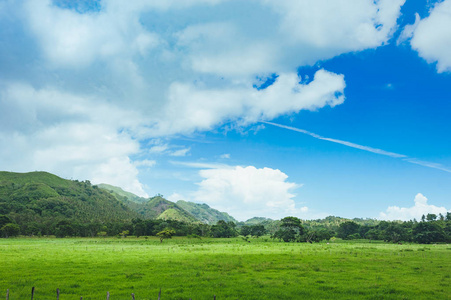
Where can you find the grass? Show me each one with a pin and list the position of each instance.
(228, 268)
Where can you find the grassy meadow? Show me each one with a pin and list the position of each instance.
(187, 268)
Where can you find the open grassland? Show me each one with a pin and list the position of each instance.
(228, 268)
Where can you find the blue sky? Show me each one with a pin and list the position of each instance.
(257, 108)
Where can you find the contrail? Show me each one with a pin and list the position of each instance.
(364, 148)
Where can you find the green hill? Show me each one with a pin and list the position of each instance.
(120, 194)
(159, 208)
(177, 214)
(257, 221)
(42, 199)
(205, 213)
(153, 208)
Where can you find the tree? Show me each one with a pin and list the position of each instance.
(395, 232)
(223, 229)
(315, 235)
(431, 217)
(9, 230)
(5, 220)
(373, 234)
(348, 230)
(245, 230)
(291, 229)
(257, 230)
(165, 234)
(124, 233)
(428, 232)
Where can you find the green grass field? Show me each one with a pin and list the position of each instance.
(228, 268)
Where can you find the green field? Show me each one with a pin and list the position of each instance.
(228, 268)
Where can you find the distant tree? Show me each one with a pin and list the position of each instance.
(5, 220)
(315, 235)
(291, 229)
(64, 228)
(10, 230)
(395, 232)
(224, 229)
(124, 233)
(348, 230)
(431, 217)
(373, 234)
(165, 234)
(257, 230)
(428, 232)
(102, 233)
(245, 230)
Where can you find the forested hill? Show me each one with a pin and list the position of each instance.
(159, 208)
(205, 213)
(121, 194)
(41, 199)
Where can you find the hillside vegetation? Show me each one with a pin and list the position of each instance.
(159, 208)
(39, 201)
(205, 213)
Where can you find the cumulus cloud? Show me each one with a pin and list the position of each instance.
(246, 192)
(431, 36)
(192, 108)
(331, 28)
(420, 208)
(71, 39)
(97, 83)
(50, 130)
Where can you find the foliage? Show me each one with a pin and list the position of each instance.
(165, 234)
(223, 229)
(205, 213)
(38, 202)
(9, 230)
(253, 230)
(42, 204)
(428, 232)
(291, 229)
(348, 230)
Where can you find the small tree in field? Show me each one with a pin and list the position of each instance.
(165, 234)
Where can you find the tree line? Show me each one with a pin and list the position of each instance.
(430, 229)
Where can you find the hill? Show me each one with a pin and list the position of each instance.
(205, 213)
(159, 208)
(120, 194)
(41, 199)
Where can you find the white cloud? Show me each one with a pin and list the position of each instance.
(99, 83)
(65, 134)
(320, 29)
(432, 36)
(225, 156)
(193, 108)
(246, 192)
(180, 152)
(296, 32)
(145, 163)
(158, 147)
(71, 39)
(142, 61)
(420, 208)
(174, 197)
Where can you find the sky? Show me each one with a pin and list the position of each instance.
(257, 108)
